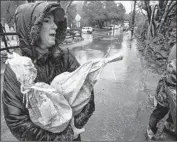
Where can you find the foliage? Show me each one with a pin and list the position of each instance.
(97, 12)
(139, 18)
(71, 14)
(158, 33)
(71, 11)
(126, 17)
(8, 10)
(163, 19)
(115, 12)
(161, 15)
(66, 4)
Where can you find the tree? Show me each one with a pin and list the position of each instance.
(71, 14)
(65, 4)
(8, 10)
(97, 12)
(161, 15)
(138, 20)
(70, 10)
(115, 12)
(159, 32)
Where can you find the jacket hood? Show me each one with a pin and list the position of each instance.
(29, 18)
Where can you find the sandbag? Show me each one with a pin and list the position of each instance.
(52, 107)
(47, 107)
(77, 85)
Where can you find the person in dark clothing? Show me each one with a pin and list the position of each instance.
(2, 29)
(41, 27)
(166, 100)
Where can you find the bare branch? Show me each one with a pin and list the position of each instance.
(165, 2)
(69, 4)
(148, 10)
(141, 11)
(153, 23)
(172, 6)
(58, 1)
(171, 15)
(167, 11)
(170, 3)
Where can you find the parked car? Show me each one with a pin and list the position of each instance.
(111, 27)
(88, 30)
(68, 31)
(76, 32)
(116, 26)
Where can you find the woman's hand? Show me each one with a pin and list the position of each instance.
(115, 58)
(76, 131)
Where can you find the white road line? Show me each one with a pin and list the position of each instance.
(114, 74)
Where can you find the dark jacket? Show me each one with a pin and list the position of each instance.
(166, 89)
(49, 65)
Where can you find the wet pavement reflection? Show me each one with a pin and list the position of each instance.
(123, 92)
(97, 47)
(94, 47)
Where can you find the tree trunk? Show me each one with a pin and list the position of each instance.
(153, 23)
(67, 7)
(58, 1)
(133, 19)
(30, 1)
(148, 9)
(167, 11)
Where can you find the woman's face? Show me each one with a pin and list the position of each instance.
(48, 32)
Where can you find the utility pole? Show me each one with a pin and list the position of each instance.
(133, 19)
(30, 1)
(58, 1)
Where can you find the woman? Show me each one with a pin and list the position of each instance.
(41, 27)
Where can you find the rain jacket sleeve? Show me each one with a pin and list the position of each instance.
(17, 117)
(168, 80)
(82, 118)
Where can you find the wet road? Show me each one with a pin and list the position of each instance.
(96, 46)
(123, 93)
(121, 104)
